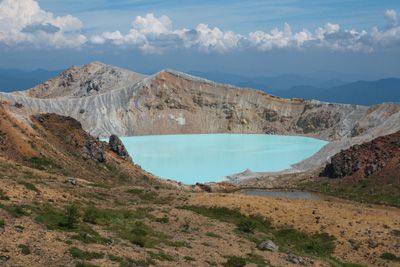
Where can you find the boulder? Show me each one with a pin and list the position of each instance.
(118, 147)
(71, 181)
(268, 245)
(295, 259)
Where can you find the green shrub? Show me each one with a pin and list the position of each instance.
(246, 226)
(161, 256)
(25, 249)
(234, 261)
(91, 214)
(188, 258)
(17, 211)
(85, 264)
(43, 163)
(29, 186)
(71, 216)
(390, 256)
(2, 223)
(85, 255)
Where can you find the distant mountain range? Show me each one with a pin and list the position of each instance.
(331, 90)
(361, 93)
(15, 80)
(287, 85)
(268, 84)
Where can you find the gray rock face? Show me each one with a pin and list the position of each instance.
(94, 150)
(268, 245)
(118, 147)
(108, 100)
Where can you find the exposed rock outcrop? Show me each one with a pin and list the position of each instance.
(363, 160)
(118, 147)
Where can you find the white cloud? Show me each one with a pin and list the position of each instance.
(154, 35)
(24, 22)
(391, 17)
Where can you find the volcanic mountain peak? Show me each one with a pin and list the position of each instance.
(80, 81)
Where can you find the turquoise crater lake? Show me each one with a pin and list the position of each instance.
(211, 157)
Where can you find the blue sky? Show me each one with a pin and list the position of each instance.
(238, 15)
(247, 37)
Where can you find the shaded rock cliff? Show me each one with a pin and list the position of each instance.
(379, 155)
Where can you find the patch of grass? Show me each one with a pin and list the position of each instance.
(368, 190)
(188, 258)
(43, 163)
(319, 244)
(17, 211)
(89, 236)
(115, 258)
(246, 226)
(161, 256)
(55, 219)
(85, 255)
(243, 222)
(127, 224)
(25, 250)
(256, 259)
(2, 223)
(390, 256)
(29, 186)
(211, 234)
(234, 261)
(85, 264)
(257, 228)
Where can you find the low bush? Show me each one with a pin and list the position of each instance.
(85, 255)
(234, 261)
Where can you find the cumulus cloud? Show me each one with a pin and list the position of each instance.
(154, 35)
(391, 17)
(24, 22)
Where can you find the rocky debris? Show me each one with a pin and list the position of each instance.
(372, 243)
(295, 259)
(94, 150)
(4, 258)
(118, 147)
(71, 181)
(365, 159)
(269, 245)
(18, 105)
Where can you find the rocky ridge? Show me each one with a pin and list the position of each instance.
(171, 102)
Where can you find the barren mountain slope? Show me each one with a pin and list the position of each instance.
(90, 79)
